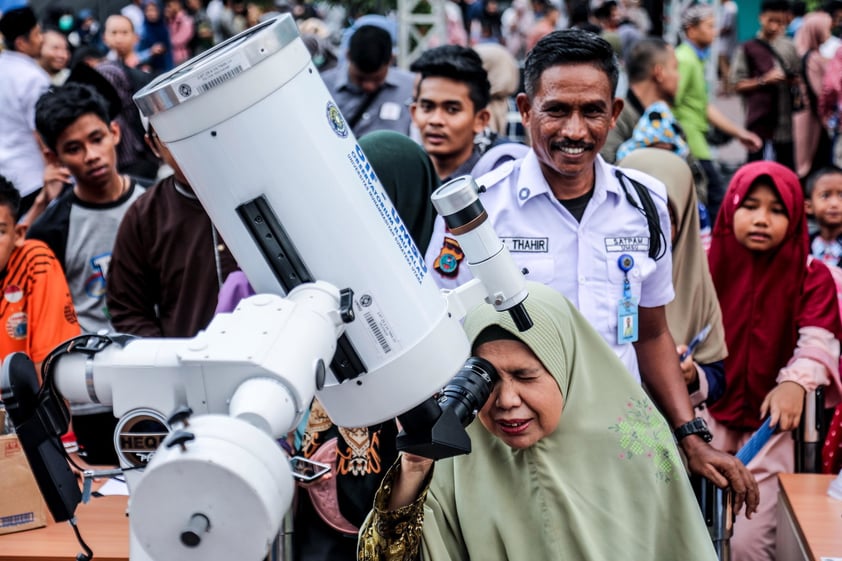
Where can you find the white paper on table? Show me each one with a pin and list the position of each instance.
(117, 487)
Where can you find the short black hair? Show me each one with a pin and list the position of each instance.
(460, 64)
(799, 9)
(580, 12)
(10, 197)
(604, 10)
(17, 23)
(85, 52)
(370, 48)
(570, 46)
(775, 6)
(642, 57)
(60, 107)
(810, 184)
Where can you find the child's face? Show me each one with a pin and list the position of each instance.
(11, 235)
(826, 201)
(760, 223)
(88, 148)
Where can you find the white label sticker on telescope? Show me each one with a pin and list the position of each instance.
(377, 326)
(213, 76)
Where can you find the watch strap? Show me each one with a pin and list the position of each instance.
(696, 426)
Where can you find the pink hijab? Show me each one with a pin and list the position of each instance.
(813, 32)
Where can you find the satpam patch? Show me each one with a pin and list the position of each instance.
(627, 243)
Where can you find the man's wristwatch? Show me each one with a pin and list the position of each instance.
(696, 426)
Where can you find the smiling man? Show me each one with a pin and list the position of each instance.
(594, 233)
(55, 56)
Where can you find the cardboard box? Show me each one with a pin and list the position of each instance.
(21, 504)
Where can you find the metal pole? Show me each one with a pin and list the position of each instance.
(808, 441)
(718, 511)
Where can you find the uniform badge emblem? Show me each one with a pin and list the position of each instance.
(451, 254)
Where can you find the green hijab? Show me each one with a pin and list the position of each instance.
(409, 178)
(695, 304)
(606, 484)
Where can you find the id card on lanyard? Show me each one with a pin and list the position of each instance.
(627, 318)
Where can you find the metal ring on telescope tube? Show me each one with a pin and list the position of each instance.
(253, 46)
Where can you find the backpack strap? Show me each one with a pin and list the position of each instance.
(811, 95)
(657, 239)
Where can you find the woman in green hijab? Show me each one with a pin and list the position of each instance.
(570, 460)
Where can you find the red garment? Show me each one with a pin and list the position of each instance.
(832, 451)
(765, 297)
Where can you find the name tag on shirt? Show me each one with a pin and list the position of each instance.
(629, 243)
(390, 111)
(627, 320)
(527, 245)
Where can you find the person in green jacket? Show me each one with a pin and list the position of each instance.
(692, 106)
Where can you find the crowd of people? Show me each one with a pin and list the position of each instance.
(594, 143)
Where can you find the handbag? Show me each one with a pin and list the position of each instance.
(323, 492)
(717, 137)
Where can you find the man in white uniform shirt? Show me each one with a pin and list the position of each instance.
(598, 236)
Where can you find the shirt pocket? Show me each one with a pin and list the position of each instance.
(537, 269)
(642, 269)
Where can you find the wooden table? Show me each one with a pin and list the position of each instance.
(102, 522)
(809, 521)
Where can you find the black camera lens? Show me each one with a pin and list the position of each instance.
(469, 389)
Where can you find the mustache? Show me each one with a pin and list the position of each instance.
(566, 144)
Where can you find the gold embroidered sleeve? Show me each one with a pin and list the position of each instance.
(393, 535)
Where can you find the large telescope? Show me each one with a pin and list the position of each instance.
(345, 310)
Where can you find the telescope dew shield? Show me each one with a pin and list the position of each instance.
(457, 201)
(253, 127)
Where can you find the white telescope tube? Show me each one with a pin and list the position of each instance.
(268, 153)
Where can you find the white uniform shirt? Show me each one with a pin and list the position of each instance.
(22, 82)
(579, 259)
